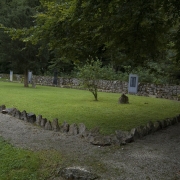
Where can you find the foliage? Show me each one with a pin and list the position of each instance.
(14, 54)
(77, 106)
(120, 33)
(91, 73)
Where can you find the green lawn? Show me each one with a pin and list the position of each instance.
(78, 106)
(19, 164)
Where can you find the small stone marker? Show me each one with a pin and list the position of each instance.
(123, 99)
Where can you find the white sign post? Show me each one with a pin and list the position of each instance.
(29, 77)
(11, 75)
(133, 84)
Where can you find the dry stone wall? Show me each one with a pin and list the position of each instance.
(115, 86)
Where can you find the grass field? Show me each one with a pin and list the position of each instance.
(78, 106)
(19, 164)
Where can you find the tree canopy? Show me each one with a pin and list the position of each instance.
(15, 54)
(120, 32)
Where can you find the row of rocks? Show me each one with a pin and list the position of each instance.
(152, 127)
(72, 129)
(75, 173)
(93, 136)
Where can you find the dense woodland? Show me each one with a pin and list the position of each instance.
(131, 36)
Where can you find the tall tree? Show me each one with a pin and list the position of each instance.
(19, 56)
(117, 31)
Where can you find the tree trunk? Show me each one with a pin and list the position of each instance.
(26, 78)
(95, 94)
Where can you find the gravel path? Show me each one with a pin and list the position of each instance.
(154, 157)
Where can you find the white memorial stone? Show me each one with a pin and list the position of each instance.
(11, 75)
(29, 77)
(133, 84)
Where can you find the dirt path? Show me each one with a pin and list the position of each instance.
(156, 156)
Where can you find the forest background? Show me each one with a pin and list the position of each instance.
(45, 36)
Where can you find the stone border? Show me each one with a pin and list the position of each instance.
(92, 136)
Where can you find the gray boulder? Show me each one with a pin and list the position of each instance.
(17, 114)
(48, 126)
(55, 125)
(123, 99)
(100, 140)
(124, 136)
(150, 126)
(73, 129)
(82, 128)
(178, 118)
(65, 127)
(94, 131)
(2, 107)
(168, 122)
(31, 117)
(38, 120)
(77, 173)
(24, 115)
(141, 131)
(4, 111)
(114, 140)
(43, 122)
(146, 130)
(13, 112)
(134, 133)
(173, 121)
(10, 110)
(163, 124)
(157, 126)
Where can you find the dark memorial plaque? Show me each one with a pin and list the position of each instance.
(55, 77)
(133, 82)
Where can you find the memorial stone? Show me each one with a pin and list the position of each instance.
(133, 84)
(55, 78)
(11, 75)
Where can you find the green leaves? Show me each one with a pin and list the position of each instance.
(117, 31)
(92, 72)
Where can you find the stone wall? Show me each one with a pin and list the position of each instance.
(144, 89)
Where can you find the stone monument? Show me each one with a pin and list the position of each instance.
(29, 77)
(55, 77)
(133, 84)
(11, 75)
